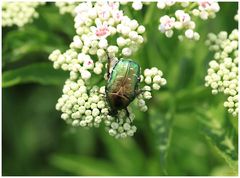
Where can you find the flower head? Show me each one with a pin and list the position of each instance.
(167, 23)
(223, 69)
(101, 30)
(83, 102)
(183, 21)
(19, 13)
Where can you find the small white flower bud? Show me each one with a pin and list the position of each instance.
(133, 35)
(103, 43)
(95, 112)
(133, 24)
(83, 123)
(161, 4)
(137, 5)
(114, 125)
(169, 33)
(77, 42)
(112, 132)
(148, 80)
(85, 74)
(127, 52)
(203, 15)
(156, 86)
(126, 126)
(189, 33)
(101, 104)
(121, 41)
(81, 109)
(141, 29)
(196, 36)
(87, 105)
(75, 123)
(64, 116)
(81, 101)
(112, 49)
(147, 72)
(147, 95)
(163, 81)
(157, 79)
(88, 112)
(147, 88)
(125, 30)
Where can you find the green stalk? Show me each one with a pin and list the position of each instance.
(149, 14)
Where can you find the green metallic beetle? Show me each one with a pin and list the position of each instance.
(122, 86)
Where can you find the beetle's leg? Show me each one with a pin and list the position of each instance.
(138, 92)
(117, 118)
(139, 79)
(108, 66)
(103, 94)
(114, 114)
(128, 115)
(111, 62)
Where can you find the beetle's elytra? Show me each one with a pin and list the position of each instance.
(122, 85)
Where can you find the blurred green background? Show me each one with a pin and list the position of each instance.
(187, 131)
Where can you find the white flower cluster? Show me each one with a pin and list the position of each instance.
(206, 9)
(76, 63)
(183, 17)
(223, 71)
(19, 13)
(96, 23)
(86, 107)
(80, 107)
(122, 127)
(153, 80)
(66, 7)
(102, 31)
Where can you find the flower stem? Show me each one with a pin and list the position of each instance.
(149, 13)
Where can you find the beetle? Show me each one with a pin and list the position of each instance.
(123, 84)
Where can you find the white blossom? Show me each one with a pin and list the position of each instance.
(207, 9)
(19, 13)
(183, 18)
(152, 79)
(223, 69)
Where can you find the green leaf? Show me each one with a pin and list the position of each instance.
(52, 20)
(80, 165)
(188, 99)
(29, 41)
(218, 129)
(42, 73)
